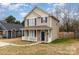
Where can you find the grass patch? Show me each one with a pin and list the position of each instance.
(57, 47)
(63, 40)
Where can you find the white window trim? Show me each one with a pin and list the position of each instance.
(31, 22)
(44, 19)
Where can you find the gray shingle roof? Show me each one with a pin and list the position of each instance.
(9, 26)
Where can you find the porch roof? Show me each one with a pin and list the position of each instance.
(37, 28)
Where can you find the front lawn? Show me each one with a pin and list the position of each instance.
(57, 47)
(64, 41)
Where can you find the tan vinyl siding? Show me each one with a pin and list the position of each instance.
(55, 29)
(34, 15)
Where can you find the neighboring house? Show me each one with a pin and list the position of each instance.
(8, 30)
(40, 26)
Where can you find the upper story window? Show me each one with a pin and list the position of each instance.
(31, 22)
(28, 22)
(43, 19)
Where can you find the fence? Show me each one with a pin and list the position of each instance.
(66, 35)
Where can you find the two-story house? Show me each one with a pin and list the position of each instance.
(40, 26)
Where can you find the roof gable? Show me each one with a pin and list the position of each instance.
(41, 10)
(37, 11)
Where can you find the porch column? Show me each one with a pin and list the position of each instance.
(48, 33)
(47, 36)
(36, 36)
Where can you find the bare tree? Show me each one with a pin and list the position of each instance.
(69, 21)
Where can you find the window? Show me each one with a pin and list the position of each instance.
(32, 34)
(44, 20)
(28, 22)
(31, 22)
(27, 33)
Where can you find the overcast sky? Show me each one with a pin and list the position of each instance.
(20, 10)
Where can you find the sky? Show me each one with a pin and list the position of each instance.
(19, 10)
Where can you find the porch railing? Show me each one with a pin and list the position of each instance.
(29, 38)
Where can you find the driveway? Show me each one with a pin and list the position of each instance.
(5, 41)
(4, 44)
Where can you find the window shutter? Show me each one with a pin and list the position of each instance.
(28, 22)
(41, 20)
(35, 21)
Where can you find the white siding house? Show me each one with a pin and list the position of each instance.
(40, 26)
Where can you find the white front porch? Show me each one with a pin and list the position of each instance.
(35, 35)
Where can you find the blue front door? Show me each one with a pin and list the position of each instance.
(42, 36)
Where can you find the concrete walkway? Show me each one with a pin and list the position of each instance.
(4, 44)
(7, 44)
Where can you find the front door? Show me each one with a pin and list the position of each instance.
(42, 36)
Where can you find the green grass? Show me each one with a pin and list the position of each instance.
(63, 41)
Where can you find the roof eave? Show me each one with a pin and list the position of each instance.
(54, 18)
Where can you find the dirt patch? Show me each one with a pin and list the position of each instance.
(10, 40)
(17, 41)
(70, 47)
